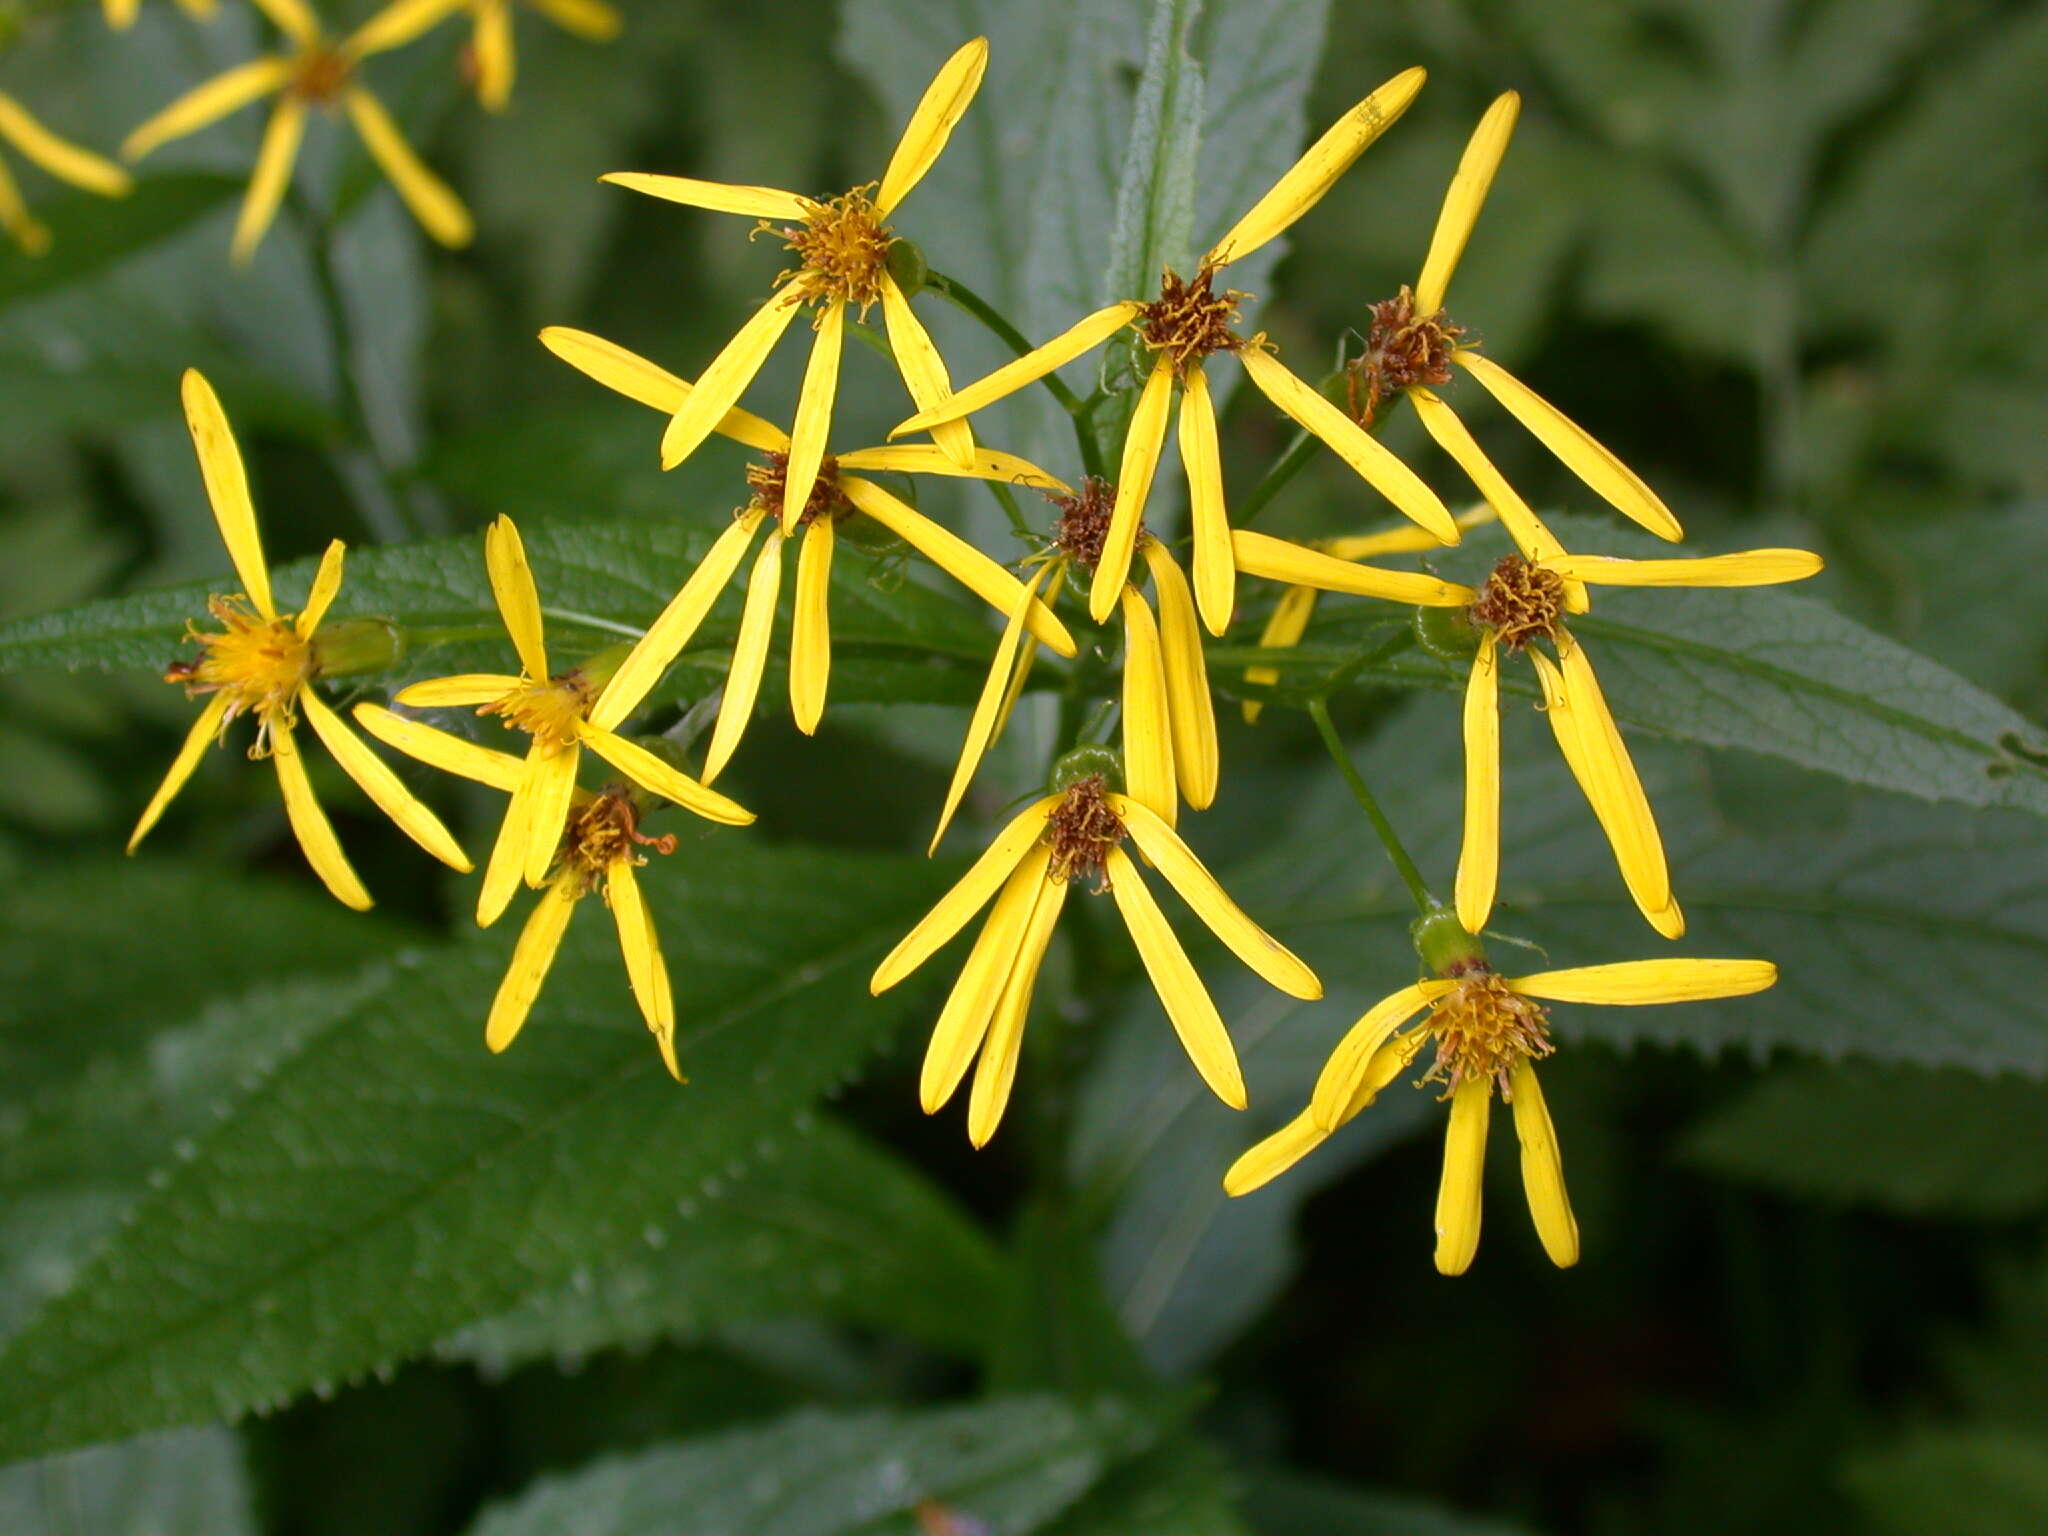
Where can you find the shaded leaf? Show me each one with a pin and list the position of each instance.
(188, 1482)
(1969, 1482)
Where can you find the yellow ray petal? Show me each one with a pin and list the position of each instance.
(496, 53)
(996, 1073)
(309, 823)
(986, 721)
(518, 599)
(1080, 337)
(1187, 1002)
(931, 459)
(1142, 446)
(720, 386)
(1305, 182)
(637, 948)
(1543, 1169)
(661, 778)
(1467, 195)
(1479, 851)
(664, 1003)
(1535, 541)
(396, 25)
(528, 968)
(453, 692)
(957, 558)
(813, 415)
(592, 20)
(1457, 1196)
(1202, 462)
(294, 18)
(1350, 1063)
(652, 385)
(29, 232)
(440, 749)
(1631, 982)
(1260, 554)
(1371, 460)
(208, 103)
(1148, 722)
(931, 123)
(227, 488)
(810, 633)
(377, 781)
(1602, 471)
(1612, 786)
(963, 1022)
(202, 735)
(326, 582)
(1259, 1165)
(1399, 538)
(1750, 568)
(60, 157)
(668, 634)
(551, 786)
(717, 196)
(120, 14)
(274, 160)
(507, 862)
(924, 374)
(1285, 627)
(967, 897)
(1029, 653)
(440, 212)
(1198, 888)
(749, 656)
(1189, 709)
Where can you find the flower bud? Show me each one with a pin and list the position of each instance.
(1446, 948)
(907, 265)
(351, 647)
(1447, 632)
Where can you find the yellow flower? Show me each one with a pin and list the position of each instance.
(321, 73)
(121, 13)
(1169, 720)
(563, 712)
(491, 39)
(598, 842)
(842, 249)
(1289, 619)
(1413, 344)
(836, 496)
(265, 664)
(1488, 1031)
(62, 159)
(1182, 327)
(1075, 834)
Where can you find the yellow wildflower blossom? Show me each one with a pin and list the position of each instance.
(836, 496)
(1075, 834)
(1412, 346)
(1489, 1031)
(842, 248)
(264, 664)
(491, 52)
(1182, 327)
(563, 712)
(318, 72)
(1169, 720)
(62, 159)
(121, 13)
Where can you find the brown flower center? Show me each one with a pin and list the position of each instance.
(1401, 349)
(1189, 320)
(603, 832)
(1520, 603)
(260, 664)
(767, 478)
(321, 73)
(1082, 829)
(1083, 524)
(842, 248)
(1482, 1030)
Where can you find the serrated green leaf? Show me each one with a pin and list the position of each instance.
(387, 1182)
(1920, 1143)
(1009, 1466)
(822, 1222)
(188, 1482)
(1182, 1488)
(1968, 1482)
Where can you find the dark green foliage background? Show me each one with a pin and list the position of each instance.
(284, 1250)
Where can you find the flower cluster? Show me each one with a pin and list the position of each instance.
(1120, 581)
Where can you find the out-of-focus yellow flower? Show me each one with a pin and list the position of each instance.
(836, 496)
(563, 712)
(1488, 1030)
(1187, 323)
(62, 159)
(1072, 835)
(264, 663)
(842, 250)
(318, 72)
(491, 51)
(121, 13)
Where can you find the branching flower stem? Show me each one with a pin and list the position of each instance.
(1425, 903)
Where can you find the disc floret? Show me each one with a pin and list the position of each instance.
(1081, 830)
(842, 250)
(1402, 349)
(1483, 1030)
(259, 664)
(766, 479)
(602, 834)
(1082, 527)
(1189, 320)
(321, 73)
(1521, 602)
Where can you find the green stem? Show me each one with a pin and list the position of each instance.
(1319, 711)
